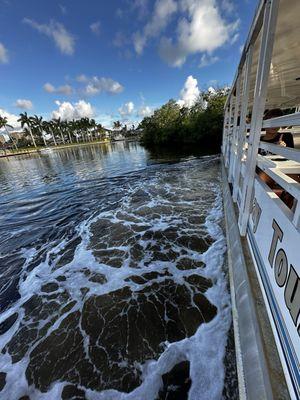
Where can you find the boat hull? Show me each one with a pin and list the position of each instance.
(275, 246)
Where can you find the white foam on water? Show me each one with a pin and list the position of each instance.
(204, 350)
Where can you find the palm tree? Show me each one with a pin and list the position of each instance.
(73, 128)
(94, 126)
(47, 126)
(117, 124)
(58, 125)
(79, 126)
(54, 128)
(5, 125)
(88, 127)
(25, 120)
(84, 125)
(66, 128)
(37, 123)
(27, 132)
(101, 131)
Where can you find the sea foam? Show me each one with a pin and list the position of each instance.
(144, 245)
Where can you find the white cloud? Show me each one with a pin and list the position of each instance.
(228, 6)
(139, 42)
(119, 13)
(91, 90)
(106, 120)
(126, 109)
(68, 111)
(24, 104)
(63, 9)
(96, 85)
(190, 92)
(213, 82)
(234, 38)
(130, 122)
(12, 119)
(207, 60)
(64, 89)
(3, 54)
(203, 30)
(82, 78)
(141, 6)
(120, 39)
(63, 39)
(95, 27)
(145, 111)
(49, 88)
(163, 11)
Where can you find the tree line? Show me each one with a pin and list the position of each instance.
(39, 132)
(174, 125)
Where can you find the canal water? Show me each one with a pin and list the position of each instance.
(112, 278)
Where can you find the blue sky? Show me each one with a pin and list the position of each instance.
(115, 59)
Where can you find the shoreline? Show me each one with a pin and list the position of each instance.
(31, 150)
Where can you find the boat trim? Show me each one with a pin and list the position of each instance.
(282, 335)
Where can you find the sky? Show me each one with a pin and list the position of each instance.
(117, 59)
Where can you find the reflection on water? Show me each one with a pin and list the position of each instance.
(70, 165)
(111, 276)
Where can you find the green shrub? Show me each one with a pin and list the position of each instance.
(201, 124)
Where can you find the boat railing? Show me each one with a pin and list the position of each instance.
(264, 177)
(281, 171)
(287, 152)
(287, 163)
(242, 140)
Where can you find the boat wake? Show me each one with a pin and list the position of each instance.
(118, 291)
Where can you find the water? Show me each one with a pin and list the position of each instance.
(112, 276)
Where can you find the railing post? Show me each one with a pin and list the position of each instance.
(242, 127)
(296, 219)
(229, 135)
(235, 130)
(225, 133)
(260, 93)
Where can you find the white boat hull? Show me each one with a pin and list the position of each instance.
(275, 245)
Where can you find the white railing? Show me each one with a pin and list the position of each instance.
(287, 152)
(278, 165)
(286, 182)
(265, 177)
(285, 120)
(241, 141)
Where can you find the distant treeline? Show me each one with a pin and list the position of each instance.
(201, 125)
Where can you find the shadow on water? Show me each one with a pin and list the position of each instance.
(111, 273)
(178, 153)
